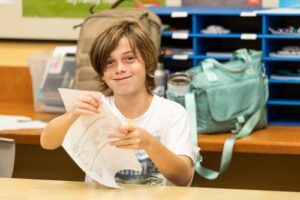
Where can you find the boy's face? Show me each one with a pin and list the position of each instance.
(125, 72)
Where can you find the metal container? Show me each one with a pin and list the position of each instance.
(179, 83)
(161, 80)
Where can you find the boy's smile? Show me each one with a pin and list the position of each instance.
(122, 79)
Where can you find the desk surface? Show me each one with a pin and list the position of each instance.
(273, 140)
(46, 189)
(24, 136)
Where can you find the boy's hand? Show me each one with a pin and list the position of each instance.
(86, 104)
(130, 137)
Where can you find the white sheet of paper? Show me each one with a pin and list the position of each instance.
(88, 146)
(15, 117)
(14, 122)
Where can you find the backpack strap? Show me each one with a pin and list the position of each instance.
(190, 105)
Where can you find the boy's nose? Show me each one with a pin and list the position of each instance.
(121, 67)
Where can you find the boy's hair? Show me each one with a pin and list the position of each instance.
(139, 41)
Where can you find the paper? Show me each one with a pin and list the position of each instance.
(88, 146)
(14, 122)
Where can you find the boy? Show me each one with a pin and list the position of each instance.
(125, 59)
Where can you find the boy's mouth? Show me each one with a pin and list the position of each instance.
(122, 78)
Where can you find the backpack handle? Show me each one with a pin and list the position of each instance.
(117, 3)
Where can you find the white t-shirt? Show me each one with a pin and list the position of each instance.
(168, 122)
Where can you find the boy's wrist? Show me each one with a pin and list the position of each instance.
(72, 116)
(150, 143)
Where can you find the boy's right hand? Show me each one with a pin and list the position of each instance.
(86, 104)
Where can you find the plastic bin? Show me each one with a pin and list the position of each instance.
(47, 75)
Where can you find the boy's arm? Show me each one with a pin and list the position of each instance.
(53, 134)
(176, 168)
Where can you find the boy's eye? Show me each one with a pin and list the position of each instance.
(109, 63)
(130, 58)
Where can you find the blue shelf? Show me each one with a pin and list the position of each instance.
(284, 102)
(283, 123)
(201, 57)
(230, 35)
(201, 35)
(281, 36)
(279, 81)
(193, 10)
(281, 111)
(270, 58)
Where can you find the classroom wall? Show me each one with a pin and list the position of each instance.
(15, 26)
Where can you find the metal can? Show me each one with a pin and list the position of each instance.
(179, 83)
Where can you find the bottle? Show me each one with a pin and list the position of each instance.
(161, 80)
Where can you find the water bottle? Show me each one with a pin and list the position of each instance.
(161, 80)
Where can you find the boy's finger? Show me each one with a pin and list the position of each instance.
(91, 97)
(126, 128)
(116, 135)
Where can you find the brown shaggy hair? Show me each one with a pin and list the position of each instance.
(139, 41)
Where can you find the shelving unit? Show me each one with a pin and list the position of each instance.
(249, 29)
(284, 100)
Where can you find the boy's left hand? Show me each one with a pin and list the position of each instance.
(130, 137)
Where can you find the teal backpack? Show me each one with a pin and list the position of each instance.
(226, 97)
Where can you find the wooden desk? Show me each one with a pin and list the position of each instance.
(272, 140)
(24, 136)
(45, 189)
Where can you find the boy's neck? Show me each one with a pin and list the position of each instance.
(133, 106)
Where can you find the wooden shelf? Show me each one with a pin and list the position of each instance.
(272, 140)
